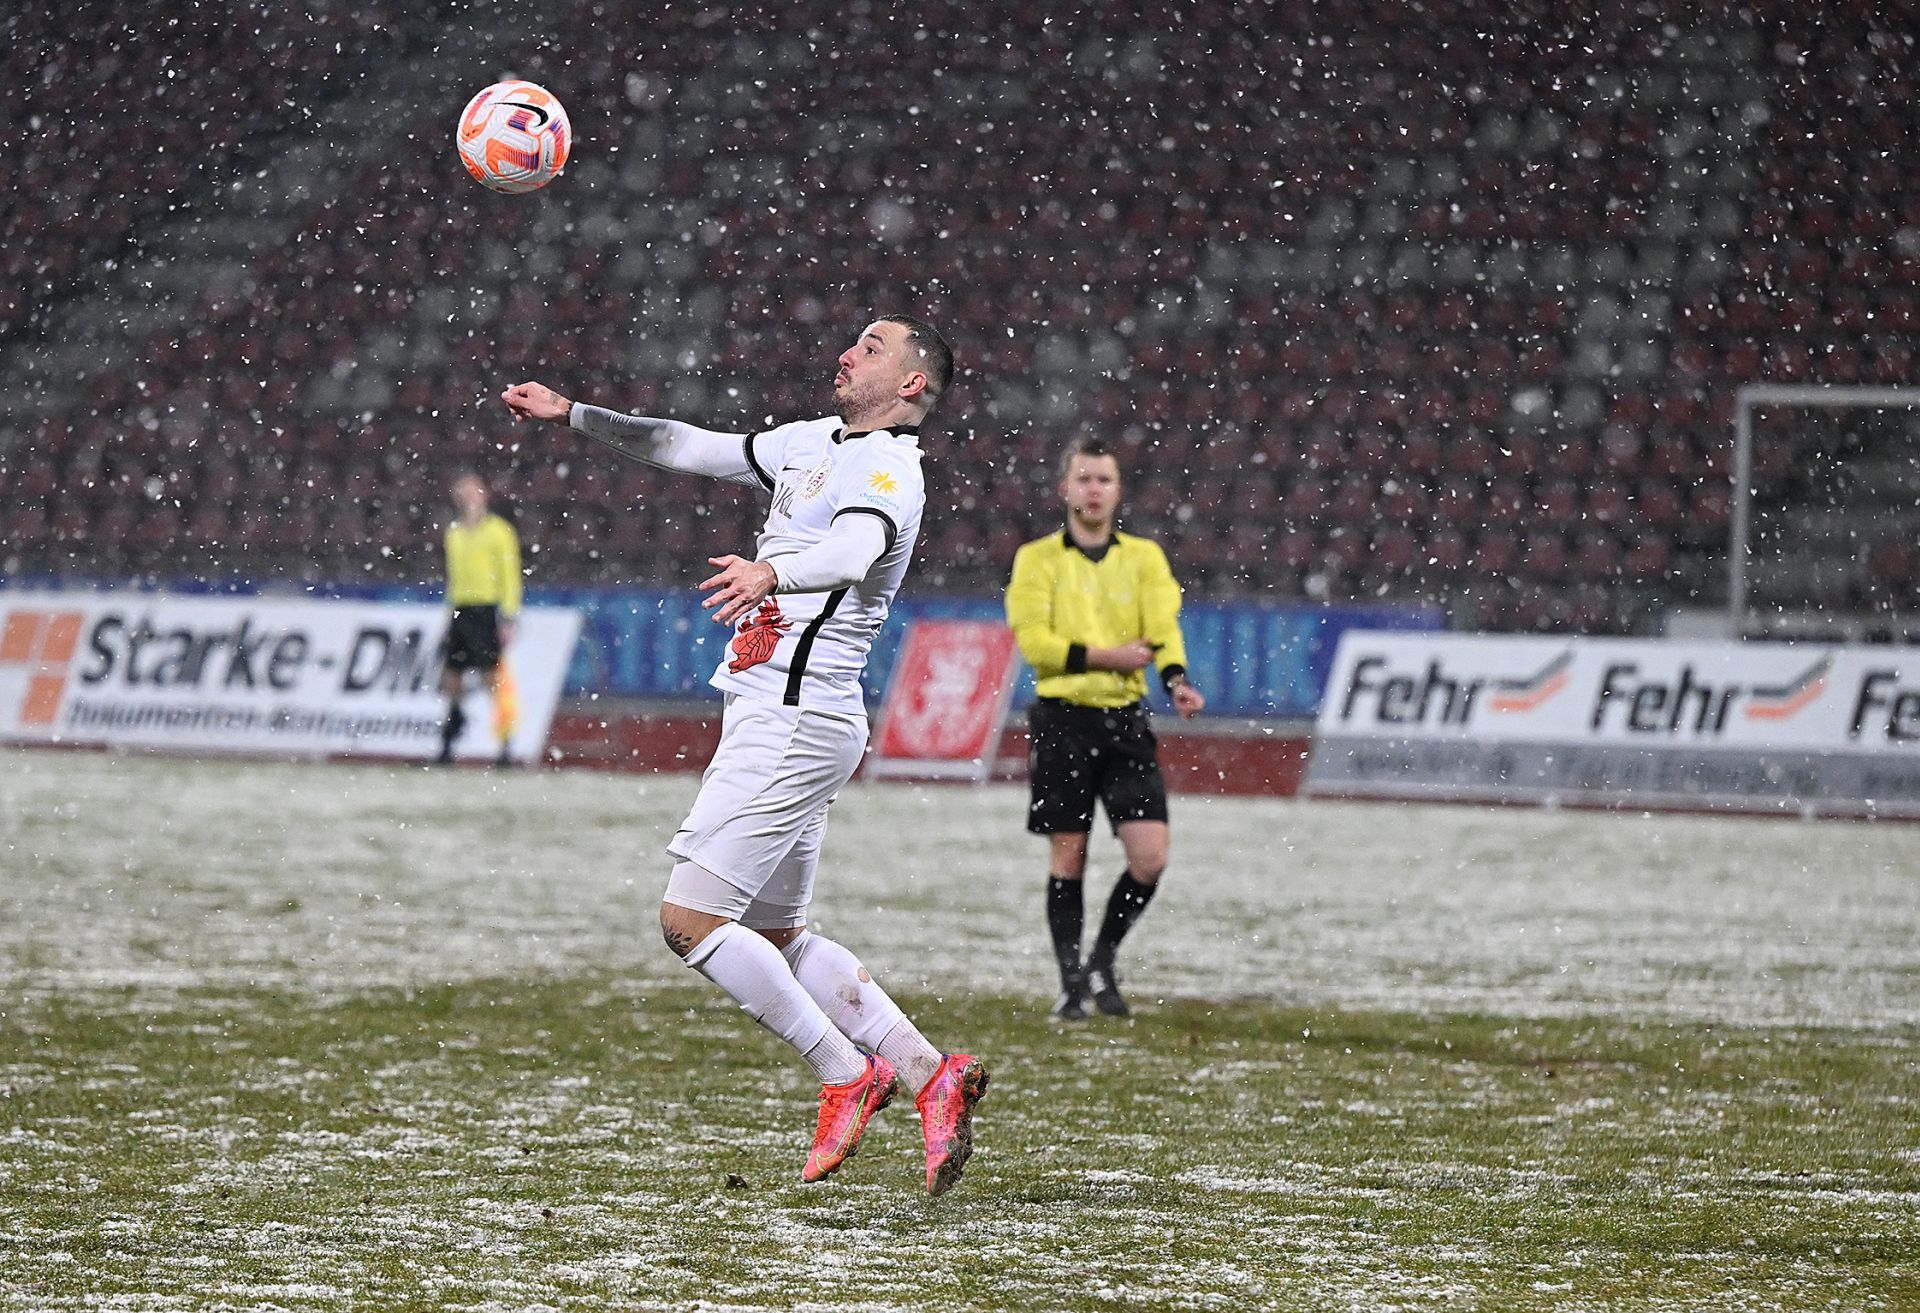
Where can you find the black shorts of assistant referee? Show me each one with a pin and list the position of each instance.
(1077, 754)
(473, 638)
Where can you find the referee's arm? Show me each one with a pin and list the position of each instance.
(1030, 616)
(446, 557)
(1160, 613)
(509, 551)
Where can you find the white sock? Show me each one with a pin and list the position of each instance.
(757, 977)
(834, 1059)
(907, 1049)
(847, 994)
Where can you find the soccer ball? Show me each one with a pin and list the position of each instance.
(514, 136)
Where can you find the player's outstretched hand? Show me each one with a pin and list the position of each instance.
(1188, 700)
(740, 586)
(537, 401)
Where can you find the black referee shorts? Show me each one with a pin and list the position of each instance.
(473, 638)
(1077, 754)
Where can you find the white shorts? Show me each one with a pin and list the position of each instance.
(762, 809)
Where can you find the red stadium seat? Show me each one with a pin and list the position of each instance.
(1447, 552)
(24, 525)
(1353, 501)
(1649, 558)
(1608, 502)
(1296, 549)
(1596, 557)
(1496, 552)
(1544, 556)
(1507, 502)
(1398, 551)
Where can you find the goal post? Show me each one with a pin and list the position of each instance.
(1747, 399)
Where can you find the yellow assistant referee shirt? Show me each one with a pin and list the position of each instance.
(483, 565)
(1062, 601)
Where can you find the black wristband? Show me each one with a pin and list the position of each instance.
(1076, 658)
(1170, 673)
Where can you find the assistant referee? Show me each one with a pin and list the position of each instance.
(483, 588)
(1092, 608)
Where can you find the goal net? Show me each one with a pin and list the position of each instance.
(1825, 526)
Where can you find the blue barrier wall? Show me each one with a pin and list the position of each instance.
(1250, 660)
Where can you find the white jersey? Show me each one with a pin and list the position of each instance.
(808, 649)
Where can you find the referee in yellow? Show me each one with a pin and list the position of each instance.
(483, 588)
(1092, 608)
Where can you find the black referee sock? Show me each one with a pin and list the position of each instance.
(450, 728)
(1128, 900)
(1066, 918)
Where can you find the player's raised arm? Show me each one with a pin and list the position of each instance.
(667, 443)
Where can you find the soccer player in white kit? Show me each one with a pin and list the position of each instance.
(847, 495)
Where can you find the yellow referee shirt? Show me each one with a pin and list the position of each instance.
(483, 565)
(1061, 601)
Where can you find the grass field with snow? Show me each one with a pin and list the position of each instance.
(331, 1037)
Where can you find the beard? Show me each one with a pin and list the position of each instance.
(862, 401)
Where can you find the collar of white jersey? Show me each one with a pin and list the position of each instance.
(898, 431)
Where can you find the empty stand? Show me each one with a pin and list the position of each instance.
(1448, 314)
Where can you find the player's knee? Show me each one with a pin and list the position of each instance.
(679, 930)
(1146, 847)
(676, 937)
(1067, 856)
(1147, 861)
(790, 940)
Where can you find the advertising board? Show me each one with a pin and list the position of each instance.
(946, 700)
(263, 675)
(1795, 728)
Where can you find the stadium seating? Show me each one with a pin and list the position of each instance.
(1449, 314)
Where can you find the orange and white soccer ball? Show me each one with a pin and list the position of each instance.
(514, 136)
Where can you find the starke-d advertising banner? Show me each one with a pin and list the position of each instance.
(264, 675)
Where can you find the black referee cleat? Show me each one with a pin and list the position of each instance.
(1072, 1004)
(1106, 991)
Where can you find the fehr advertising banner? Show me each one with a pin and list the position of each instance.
(1785, 727)
(258, 675)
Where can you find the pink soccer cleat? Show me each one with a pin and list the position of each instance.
(845, 1111)
(946, 1117)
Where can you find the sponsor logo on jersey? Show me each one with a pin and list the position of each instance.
(816, 479)
(883, 483)
(759, 635)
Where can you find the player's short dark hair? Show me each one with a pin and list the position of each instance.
(1089, 444)
(933, 350)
